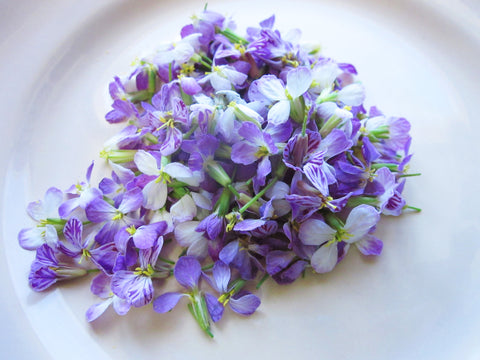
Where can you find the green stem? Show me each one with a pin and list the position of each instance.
(262, 280)
(412, 208)
(408, 175)
(258, 196)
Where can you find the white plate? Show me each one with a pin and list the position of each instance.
(419, 300)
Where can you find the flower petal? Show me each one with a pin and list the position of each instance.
(315, 232)
(279, 113)
(166, 302)
(298, 81)
(146, 163)
(360, 220)
(187, 271)
(325, 258)
(245, 305)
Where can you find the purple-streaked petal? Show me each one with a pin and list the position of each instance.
(96, 310)
(221, 275)
(172, 142)
(187, 271)
(73, 232)
(317, 177)
(370, 245)
(166, 302)
(145, 236)
(136, 289)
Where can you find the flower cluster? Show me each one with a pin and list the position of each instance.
(241, 159)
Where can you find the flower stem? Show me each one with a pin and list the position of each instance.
(258, 196)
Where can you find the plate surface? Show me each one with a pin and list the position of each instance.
(419, 300)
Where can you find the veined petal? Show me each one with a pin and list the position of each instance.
(96, 310)
(221, 275)
(298, 81)
(369, 245)
(136, 289)
(325, 258)
(317, 177)
(315, 232)
(73, 232)
(360, 220)
(146, 163)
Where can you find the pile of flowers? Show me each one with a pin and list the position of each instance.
(241, 159)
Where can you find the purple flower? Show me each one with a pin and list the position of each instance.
(46, 270)
(155, 192)
(44, 212)
(136, 287)
(257, 145)
(101, 287)
(113, 218)
(316, 232)
(241, 302)
(271, 89)
(80, 195)
(187, 272)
